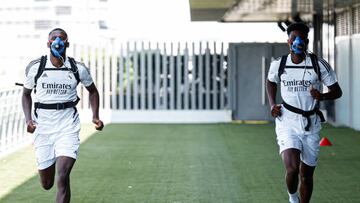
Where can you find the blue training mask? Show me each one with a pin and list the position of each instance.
(57, 47)
(298, 46)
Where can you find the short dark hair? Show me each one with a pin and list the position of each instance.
(57, 29)
(302, 27)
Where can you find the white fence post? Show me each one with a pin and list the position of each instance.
(222, 78)
(136, 78)
(121, 79)
(207, 76)
(142, 77)
(165, 81)
(214, 78)
(178, 79)
(186, 77)
(150, 78)
(128, 82)
(106, 78)
(157, 77)
(114, 75)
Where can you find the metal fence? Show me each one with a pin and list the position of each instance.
(174, 76)
(12, 122)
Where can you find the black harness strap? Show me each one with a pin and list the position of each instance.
(282, 65)
(306, 114)
(57, 106)
(314, 62)
(315, 65)
(74, 69)
(40, 70)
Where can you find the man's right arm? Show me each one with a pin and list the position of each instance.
(271, 89)
(27, 104)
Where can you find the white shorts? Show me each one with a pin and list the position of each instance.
(50, 146)
(291, 134)
(57, 134)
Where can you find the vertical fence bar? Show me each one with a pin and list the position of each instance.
(86, 61)
(9, 137)
(214, 77)
(107, 78)
(186, 77)
(100, 75)
(6, 122)
(178, 79)
(157, 77)
(193, 78)
(77, 57)
(228, 104)
(136, 77)
(222, 78)
(128, 81)
(165, 83)
(207, 76)
(200, 86)
(114, 78)
(150, 78)
(142, 77)
(172, 78)
(121, 78)
(93, 65)
(4, 114)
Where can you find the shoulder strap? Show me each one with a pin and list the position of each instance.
(282, 65)
(41, 68)
(315, 64)
(74, 69)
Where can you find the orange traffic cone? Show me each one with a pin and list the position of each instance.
(325, 142)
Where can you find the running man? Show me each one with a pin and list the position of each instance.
(55, 122)
(300, 75)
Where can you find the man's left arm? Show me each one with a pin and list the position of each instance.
(328, 77)
(87, 81)
(94, 103)
(334, 92)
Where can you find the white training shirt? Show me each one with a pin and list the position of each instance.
(296, 80)
(56, 85)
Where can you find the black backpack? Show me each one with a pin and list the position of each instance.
(314, 61)
(73, 68)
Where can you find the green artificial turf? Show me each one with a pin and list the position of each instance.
(197, 163)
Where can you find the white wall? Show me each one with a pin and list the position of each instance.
(348, 72)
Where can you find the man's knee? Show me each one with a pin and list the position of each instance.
(63, 177)
(47, 184)
(306, 178)
(292, 170)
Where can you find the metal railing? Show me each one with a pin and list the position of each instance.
(169, 76)
(12, 123)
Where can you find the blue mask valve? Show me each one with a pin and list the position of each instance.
(57, 47)
(298, 46)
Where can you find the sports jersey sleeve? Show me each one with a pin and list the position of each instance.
(84, 74)
(273, 71)
(30, 73)
(328, 76)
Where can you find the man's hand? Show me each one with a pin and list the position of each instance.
(30, 126)
(315, 93)
(276, 110)
(99, 125)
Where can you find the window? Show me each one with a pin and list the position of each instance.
(63, 10)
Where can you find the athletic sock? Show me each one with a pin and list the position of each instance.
(293, 198)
